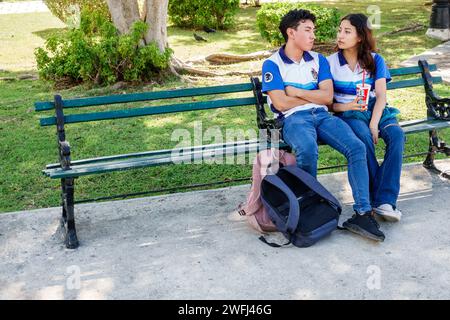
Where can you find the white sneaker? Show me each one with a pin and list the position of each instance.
(388, 213)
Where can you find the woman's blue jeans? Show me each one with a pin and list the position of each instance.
(384, 178)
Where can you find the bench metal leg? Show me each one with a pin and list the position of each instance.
(436, 145)
(63, 196)
(68, 213)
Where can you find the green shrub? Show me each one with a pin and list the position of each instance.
(64, 9)
(198, 13)
(269, 16)
(96, 53)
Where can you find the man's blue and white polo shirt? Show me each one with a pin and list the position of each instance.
(345, 80)
(279, 72)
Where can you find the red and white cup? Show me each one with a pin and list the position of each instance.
(362, 92)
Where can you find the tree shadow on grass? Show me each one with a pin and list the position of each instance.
(47, 33)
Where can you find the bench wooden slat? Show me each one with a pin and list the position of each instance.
(146, 96)
(426, 126)
(407, 123)
(410, 83)
(165, 152)
(146, 111)
(409, 70)
(89, 169)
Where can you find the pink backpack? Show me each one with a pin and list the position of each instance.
(266, 161)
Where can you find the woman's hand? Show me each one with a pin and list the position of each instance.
(374, 133)
(355, 106)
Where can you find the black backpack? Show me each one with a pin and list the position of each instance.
(299, 206)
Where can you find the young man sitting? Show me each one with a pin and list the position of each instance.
(299, 86)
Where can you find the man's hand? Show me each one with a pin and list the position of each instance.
(282, 102)
(322, 95)
(293, 91)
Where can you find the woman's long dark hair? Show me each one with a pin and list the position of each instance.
(367, 44)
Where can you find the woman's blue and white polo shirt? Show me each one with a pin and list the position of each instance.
(345, 80)
(279, 71)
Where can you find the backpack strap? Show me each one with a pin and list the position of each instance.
(294, 209)
(313, 184)
(273, 244)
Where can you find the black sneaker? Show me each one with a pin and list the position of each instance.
(364, 225)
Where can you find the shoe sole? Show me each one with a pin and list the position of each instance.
(387, 217)
(358, 230)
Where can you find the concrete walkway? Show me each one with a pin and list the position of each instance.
(439, 55)
(22, 7)
(184, 246)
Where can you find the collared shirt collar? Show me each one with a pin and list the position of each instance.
(306, 56)
(342, 60)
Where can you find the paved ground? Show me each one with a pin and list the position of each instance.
(439, 55)
(183, 246)
(22, 7)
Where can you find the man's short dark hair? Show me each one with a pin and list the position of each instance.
(293, 18)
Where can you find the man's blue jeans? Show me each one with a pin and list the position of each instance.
(384, 179)
(301, 131)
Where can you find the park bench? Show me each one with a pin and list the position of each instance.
(67, 170)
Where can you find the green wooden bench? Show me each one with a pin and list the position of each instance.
(67, 170)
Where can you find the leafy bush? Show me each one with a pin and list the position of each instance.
(198, 13)
(65, 9)
(96, 53)
(269, 16)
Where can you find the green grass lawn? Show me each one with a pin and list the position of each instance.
(26, 148)
(245, 38)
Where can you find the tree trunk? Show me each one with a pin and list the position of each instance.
(156, 17)
(123, 13)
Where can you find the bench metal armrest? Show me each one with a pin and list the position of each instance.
(437, 107)
(262, 120)
(435, 98)
(64, 154)
(442, 100)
